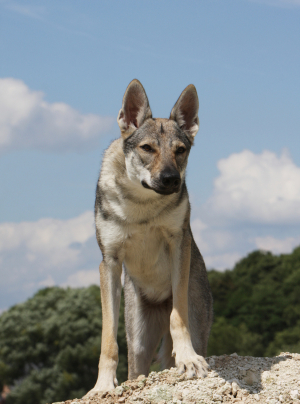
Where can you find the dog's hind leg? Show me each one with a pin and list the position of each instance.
(200, 303)
(145, 325)
(165, 352)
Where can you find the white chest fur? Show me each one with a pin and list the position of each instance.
(148, 261)
(147, 249)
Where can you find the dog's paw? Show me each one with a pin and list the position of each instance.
(102, 386)
(193, 366)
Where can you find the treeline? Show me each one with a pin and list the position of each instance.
(50, 345)
(257, 306)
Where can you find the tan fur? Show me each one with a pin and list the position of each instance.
(142, 215)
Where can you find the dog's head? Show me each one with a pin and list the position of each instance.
(156, 150)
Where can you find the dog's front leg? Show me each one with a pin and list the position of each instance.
(110, 284)
(186, 358)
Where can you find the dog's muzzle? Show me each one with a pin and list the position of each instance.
(170, 180)
(145, 185)
(168, 183)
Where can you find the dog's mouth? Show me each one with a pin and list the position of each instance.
(145, 185)
(160, 190)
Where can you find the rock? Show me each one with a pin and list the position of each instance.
(217, 397)
(211, 362)
(159, 393)
(225, 389)
(235, 387)
(251, 377)
(119, 390)
(232, 378)
(294, 394)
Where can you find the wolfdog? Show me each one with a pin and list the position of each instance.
(142, 215)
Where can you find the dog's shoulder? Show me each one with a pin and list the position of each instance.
(113, 161)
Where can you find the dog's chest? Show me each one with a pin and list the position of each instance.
(148, 261)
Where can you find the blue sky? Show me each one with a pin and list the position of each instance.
(64, 67)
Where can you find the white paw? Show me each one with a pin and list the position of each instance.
(102, 386)
(193, 365)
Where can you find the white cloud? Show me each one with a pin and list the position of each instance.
(218, 246)
(28, 121)
(255, 205)
(222, 261)
(46, 283)
(211, 238)
(51, 239)
(83, 278)
(47, 252)
(277, 246)
(198, 229)
(258, 188)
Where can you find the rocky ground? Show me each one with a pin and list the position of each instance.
(232, 378)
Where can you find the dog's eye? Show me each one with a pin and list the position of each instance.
(147, 148)
(180, 150)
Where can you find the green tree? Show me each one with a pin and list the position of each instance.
(257, 305)
(50, 345)
(287, 340)
(226, 338)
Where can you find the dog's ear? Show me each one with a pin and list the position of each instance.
(185, 111)
(135, 109)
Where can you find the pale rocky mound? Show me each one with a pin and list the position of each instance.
(231, 378)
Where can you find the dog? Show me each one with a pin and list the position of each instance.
(142, 215)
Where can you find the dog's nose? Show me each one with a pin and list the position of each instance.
(171, 179)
